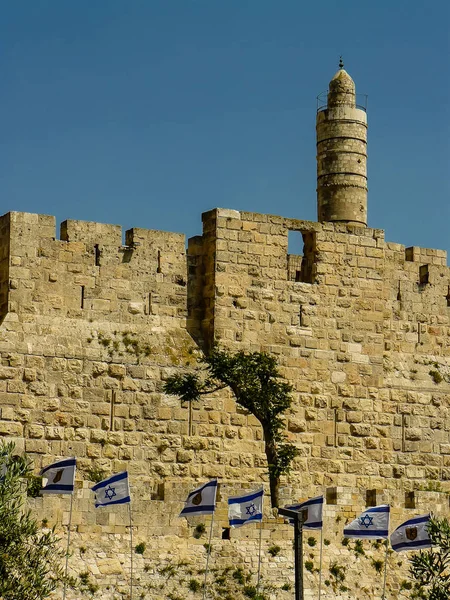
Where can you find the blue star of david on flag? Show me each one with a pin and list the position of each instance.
(372, 524)
(114, 490)
(245, 509)
(365, 521)
(110, 493)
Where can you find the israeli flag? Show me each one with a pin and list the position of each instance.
(202, 501)
(114, 490)
(412, 535)
(372, 524)
(244, 509)
(59, 477)
(314, 519)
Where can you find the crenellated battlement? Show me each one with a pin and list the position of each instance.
(89, 273)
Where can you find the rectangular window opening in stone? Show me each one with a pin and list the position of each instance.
(335, 427)
(447, 297)
(424, 275)
(158, 492)
(82, 297)
(409, 254)
(404, 416)
(111, 410)
(410, 500)
(158, 268)
(331, 495)
(97, 255)
(226, 533)
(371, 498)
(300, 315)
(301, 256)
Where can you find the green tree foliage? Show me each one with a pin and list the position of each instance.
(258, 387)
(30, 561)
(430, 569)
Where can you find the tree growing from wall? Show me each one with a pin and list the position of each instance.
(430, 569)
(257, 386)
(30, 560)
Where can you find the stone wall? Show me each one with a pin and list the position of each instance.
(92, 326)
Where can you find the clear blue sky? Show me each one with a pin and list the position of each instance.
(146, 113)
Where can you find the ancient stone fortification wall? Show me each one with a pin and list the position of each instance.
(91, 326)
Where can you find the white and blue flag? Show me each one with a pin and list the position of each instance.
(245, 509)
(372, 524)
(114, 490)
(412, 535)
(314, 506)
(201, 501)
(59, 477)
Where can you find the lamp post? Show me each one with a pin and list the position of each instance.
(299, 517)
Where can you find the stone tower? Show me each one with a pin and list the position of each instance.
(341, 127)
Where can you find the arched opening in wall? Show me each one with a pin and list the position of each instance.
(301, 256)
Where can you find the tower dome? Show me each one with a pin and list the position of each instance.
(341, 128)
(341, 90)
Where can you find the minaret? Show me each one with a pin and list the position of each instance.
(341, 128)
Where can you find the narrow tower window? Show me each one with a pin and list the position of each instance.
(82, 297)
(424, 275)
(111, 410)
(158, 268)
(97, 255)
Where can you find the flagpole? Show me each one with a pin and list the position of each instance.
(207, 556)
(259, 556)
(385, 571)
(131, 552)
(67, 549)
(320, 561)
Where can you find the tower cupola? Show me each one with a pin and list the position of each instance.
(341, 127)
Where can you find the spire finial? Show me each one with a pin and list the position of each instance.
(341, 63)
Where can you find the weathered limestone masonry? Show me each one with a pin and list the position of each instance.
(91, 327)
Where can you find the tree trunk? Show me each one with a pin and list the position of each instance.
(274, 479)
